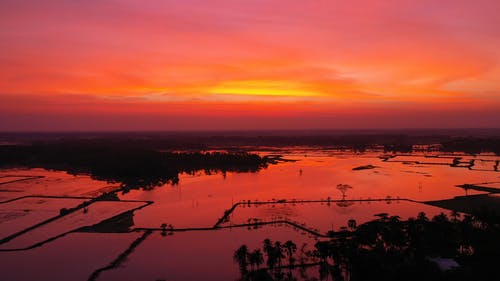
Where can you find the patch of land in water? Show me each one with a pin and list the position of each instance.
(365, 167)
(480, 205)
(131, 166)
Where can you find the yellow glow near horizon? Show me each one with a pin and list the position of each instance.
(148, 64)
(264, 88)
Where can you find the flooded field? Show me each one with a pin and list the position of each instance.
(50, 218)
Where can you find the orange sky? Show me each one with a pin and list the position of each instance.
(248, 64)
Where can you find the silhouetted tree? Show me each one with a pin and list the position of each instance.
(343, 189)
(241, 257)
(322, 250)
(290, 248)
(392, 249)
(269, 250)
(278, 252)
(422, 217)
(455, 215)
(255, 258)
(351, 224)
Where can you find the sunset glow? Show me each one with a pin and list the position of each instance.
(195, 64)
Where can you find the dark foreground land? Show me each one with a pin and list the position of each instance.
(387, 248)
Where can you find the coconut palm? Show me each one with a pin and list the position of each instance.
(395, 219)
(163, 229)
(455, 215)
(422, 217)
(255, 258)
(323, 250)
(383, 216)
(290, 248)
(352, 224)
(241, 257)
(441, 218)
(278, 251)
(270, 252)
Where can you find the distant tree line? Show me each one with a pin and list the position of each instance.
(472, 145)
(460, 140)
(132, 166)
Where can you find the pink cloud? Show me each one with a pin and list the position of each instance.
(407, 57)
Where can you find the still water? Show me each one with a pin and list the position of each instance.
(293, 200)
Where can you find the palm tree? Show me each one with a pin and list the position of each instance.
(352, 224)
(259, 258)
(290, 248)
(240, 256)
(278, 250)
(395, 219)
(323, 250)
(422, 217)
(441, 218)
(382, 216)
(255, 258)
(163, 229)
(269, 250)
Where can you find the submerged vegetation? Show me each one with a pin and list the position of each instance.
(387, 248)
(131, 166)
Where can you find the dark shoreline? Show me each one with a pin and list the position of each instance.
(131, 165)
(471, 141)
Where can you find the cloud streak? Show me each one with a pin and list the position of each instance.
(315, 58)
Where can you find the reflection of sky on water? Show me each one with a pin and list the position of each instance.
(199, 255)
(324, 217)
(200, 199)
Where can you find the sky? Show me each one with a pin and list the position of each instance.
(121, 65)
